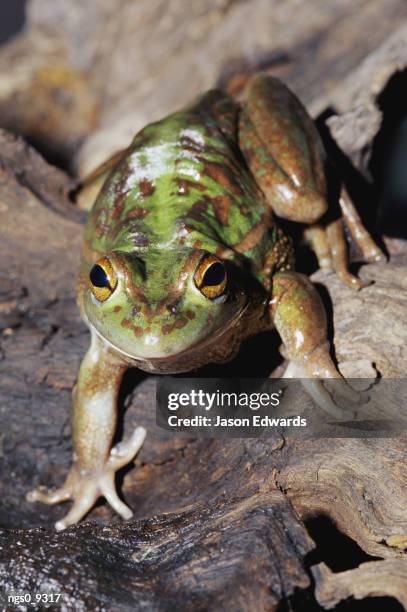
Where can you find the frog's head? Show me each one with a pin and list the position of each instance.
(160, 304)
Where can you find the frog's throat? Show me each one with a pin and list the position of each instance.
(198, 346)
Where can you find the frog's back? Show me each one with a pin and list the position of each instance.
(184, 182)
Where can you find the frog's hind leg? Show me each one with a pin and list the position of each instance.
(316, 237)
(339, 250)
(371, 252)
(282, 148)
(329, 242)
(330, 248)
(284, 152)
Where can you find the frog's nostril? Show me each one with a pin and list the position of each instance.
(172, 308)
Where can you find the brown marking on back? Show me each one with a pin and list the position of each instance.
(189, 144)
(254, 236)
(198, 209)
(224, 177)
(225, 112)
(184, 186)
(221, 205)
(120, 190)
(146, 187)
(224, 252)
(118, 206)
(137, 213)
(100, 220)
(117, 308)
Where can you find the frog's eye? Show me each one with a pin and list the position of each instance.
(102, 279)
(210, 277)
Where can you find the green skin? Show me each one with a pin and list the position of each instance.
(202, 181)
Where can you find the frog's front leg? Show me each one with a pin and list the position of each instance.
(299, 317)
(94, 423)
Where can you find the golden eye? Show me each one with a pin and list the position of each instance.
(210, 277)
(102, 279)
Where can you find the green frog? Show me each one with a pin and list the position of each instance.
(183, 259)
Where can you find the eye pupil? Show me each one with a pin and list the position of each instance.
(98, 277)
(214, 275)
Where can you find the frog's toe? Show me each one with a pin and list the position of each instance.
(324, 400)
(350, 280)
(89, 490)
(92, 486)
(108, 490)
(320, 394)
(46, 496)
(85, 487)
(85, 498)
(317, 372)
(124, 452)
(375, 255)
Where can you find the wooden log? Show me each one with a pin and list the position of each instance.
(236, 524)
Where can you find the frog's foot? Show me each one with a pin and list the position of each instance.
(371, 252)
(299, 317)
(337, 241)
(329, 243)
(313, 369)
(85, 487)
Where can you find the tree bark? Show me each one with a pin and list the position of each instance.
(219, 524)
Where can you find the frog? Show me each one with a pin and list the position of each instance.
(184, 257)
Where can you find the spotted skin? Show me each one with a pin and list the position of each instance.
(199, 188)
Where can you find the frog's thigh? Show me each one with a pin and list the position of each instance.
(282, 148)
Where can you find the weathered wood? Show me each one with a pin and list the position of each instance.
(380, 578)
(218, 524)
(93, 73)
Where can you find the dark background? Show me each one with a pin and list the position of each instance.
(12, 14)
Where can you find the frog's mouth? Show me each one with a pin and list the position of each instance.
(188, 352)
